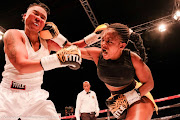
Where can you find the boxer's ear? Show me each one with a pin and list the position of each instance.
(23, 17)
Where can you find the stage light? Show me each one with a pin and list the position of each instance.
(130, 30)
(177, 15)
(2, 31)
(162, 27)
(1, 35)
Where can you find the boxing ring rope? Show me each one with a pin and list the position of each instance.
(167, 117)
(156, 100)
(167, 98)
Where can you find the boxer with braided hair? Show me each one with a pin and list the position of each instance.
(117, 67)
(127, 35)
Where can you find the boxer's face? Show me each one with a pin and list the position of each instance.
(35, 18)
(111, 44)
(86, 86)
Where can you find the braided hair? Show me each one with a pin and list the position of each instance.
(124, 32)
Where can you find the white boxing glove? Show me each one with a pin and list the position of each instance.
(70, 56)
(132, 96)
(96, 35)
(50, 31)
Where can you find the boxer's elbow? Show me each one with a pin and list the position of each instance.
(151, 85)
(20, 67)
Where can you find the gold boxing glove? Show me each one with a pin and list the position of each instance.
(50, 31)
(117, 104)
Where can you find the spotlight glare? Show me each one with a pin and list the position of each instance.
(1, 37)
(2, 31)
(177, 15)
(130, 31)
(162, 28)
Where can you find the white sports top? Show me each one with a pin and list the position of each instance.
(12, 77)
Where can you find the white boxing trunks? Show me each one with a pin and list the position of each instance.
(29, 104)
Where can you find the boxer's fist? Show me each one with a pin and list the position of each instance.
(100, 28)
(96, 35)
(117, 104)
(50, 31)
(70, 56)
(132, 96)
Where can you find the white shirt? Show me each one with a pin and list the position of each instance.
(86, 103)
(30, 79)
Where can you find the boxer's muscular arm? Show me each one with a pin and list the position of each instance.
(53, 46)
(56, 40)
(80, 43)
(16, 51)
(91, 53)
(146, 78)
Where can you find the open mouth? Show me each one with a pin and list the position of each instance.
(104, 51)
(36, 24)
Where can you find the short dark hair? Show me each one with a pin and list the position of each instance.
(45, 7)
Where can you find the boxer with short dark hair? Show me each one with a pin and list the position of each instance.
(44, 6)
(27, 56)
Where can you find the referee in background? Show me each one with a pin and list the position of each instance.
(86, 104)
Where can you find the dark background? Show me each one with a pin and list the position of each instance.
(64, 84)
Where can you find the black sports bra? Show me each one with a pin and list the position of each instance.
(118, 72)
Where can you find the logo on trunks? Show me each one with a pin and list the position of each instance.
(92, 97)
(16, 85)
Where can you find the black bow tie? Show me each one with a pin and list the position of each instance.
(88, 92)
